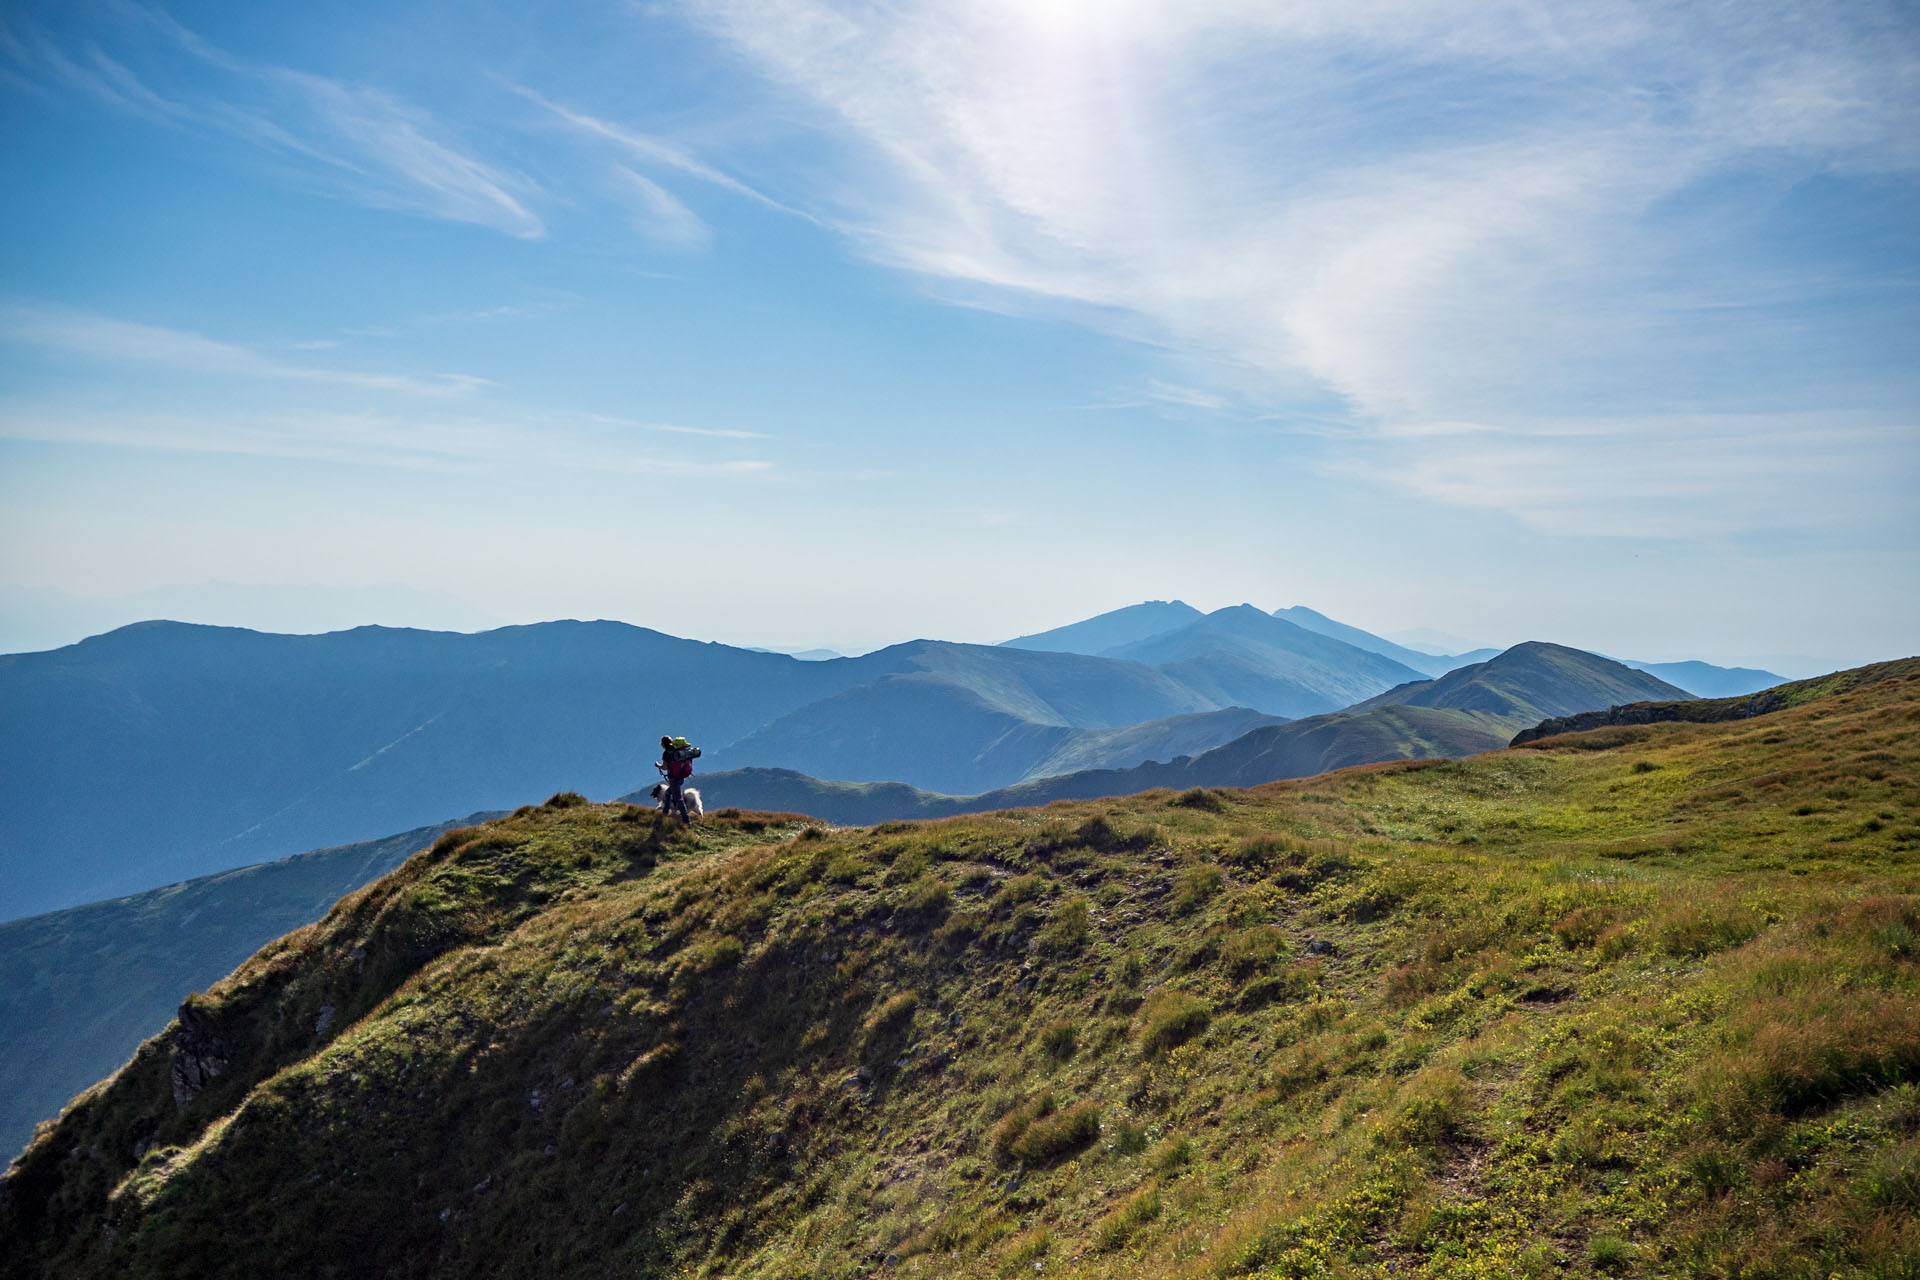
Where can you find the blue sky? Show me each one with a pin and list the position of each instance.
(837, 324)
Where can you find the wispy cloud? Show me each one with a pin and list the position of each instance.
(362, 142)
(671, 428)
(649, 150)
(462, 444)
(656, 213)
(107, 338)
(1676, 476)
(1438, 211)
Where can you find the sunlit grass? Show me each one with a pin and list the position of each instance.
(1635, 1008)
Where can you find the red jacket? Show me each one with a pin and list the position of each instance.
(677, 770)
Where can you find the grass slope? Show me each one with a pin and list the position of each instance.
(1530, 682)
(1187, 735)
(79, 988)
(1641, 1002)
(221, 747)
(1717, 710)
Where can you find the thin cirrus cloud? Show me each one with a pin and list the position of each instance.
(364, 143)
(656, 213)
(647, 149)
(124, 341)
(417, 438)
(1668, 476)
(463, 444)
(1437, 212)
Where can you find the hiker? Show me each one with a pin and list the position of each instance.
(676, 762)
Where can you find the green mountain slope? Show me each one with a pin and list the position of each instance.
(1153, 740)
(221, 747)
(971, 717)
(1529, 683)
(79, 988)
(1718, 710)
(1471, 710)
(926, 731)
(1644, 1006)
(164, 751)
(1297, 749)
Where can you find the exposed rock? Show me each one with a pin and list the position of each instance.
(199, 1054)
(1715, 711)
(325, 1020)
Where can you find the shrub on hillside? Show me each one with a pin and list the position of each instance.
(925, 899)
(452, 840)
(1067, 931)
(894, 1013)
(1261, 853)
(1193, 886)
(1051, 1137)
(1016, 1122)
(1582, 927)
(1199, 798)
(1097, 834)
(1123, 1223)
(1169, 1019)
(1432, 1107)
(1697, 930)
(1254, 950)
(1059, 1040)
(1296, 982)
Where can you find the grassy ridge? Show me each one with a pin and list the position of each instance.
(78, 987)
(1637, 1002)
(1716, 710)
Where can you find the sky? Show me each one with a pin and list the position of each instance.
(838, 324)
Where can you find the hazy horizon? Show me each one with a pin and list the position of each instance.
(801, 323)
(32, 621)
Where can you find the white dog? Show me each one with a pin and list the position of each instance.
(689, 794)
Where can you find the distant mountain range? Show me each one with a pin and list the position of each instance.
(1630, 1002)
(1704, 680)
(1474, 709)
(164, 751)
(968, 717)
(78, 987)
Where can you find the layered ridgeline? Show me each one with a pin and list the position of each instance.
(1641, 1001)
(84, 985)
(163, 751)
(1469, 710)
(79, 988)
(1111, 634)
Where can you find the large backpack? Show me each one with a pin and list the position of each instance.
(681, 752)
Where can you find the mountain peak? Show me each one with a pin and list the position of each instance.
(1106, 631)
(1532, 681)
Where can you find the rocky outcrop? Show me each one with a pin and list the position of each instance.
(199, 1054)
(1695, 712)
